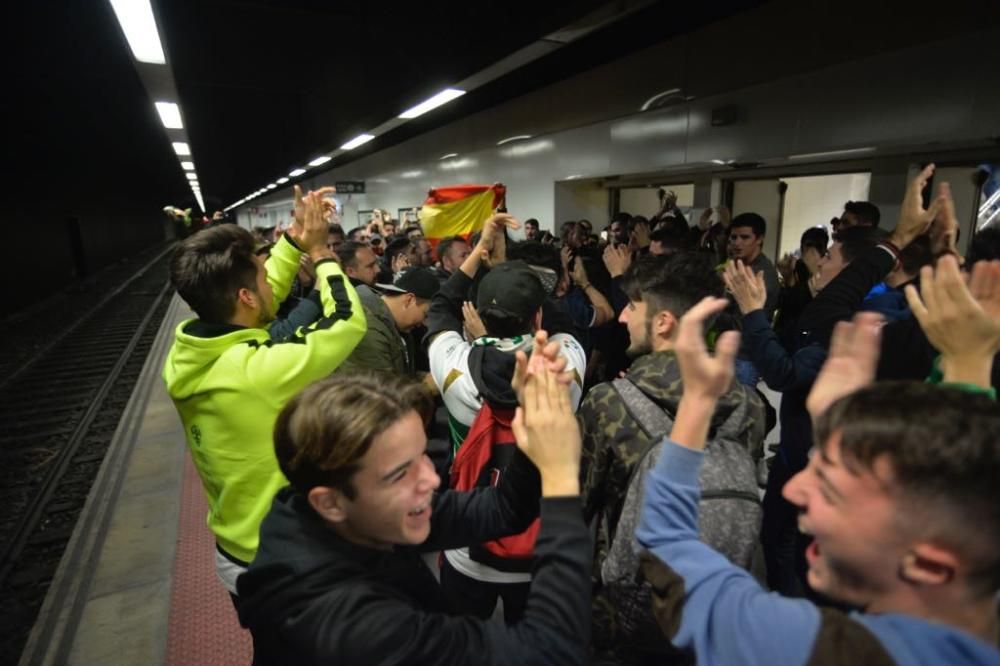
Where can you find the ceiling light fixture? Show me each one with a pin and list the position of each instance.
(282, 180)
(448, 156)
(294, 173)
(187, 166)
(359, 140)
(170, 115)
(191, 176)
(434, 102)
(181, 148)
(139, 26)
(660, 97)
(271, 186)
(320, 160)
(833, 153)
(519, 137)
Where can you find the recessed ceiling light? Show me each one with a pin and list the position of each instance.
(359, 140)
(323, 159)
(437, 100)
(187, 166)
(181, 148)
(191, 176)
(282, 180)
(296, 172)
(271, 186)
(170, 115)
(139, 26)
(448, 156)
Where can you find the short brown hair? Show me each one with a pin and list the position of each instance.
(943, 446)
(208, 268)
(322, 434)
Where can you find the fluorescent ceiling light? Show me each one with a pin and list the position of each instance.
(434, 102)
(170, 115)
(320, 160)
(187, 166)
(191, 176)
(282, 180)
(359, 140)
(416, 173)
(659, 96)
(181, 148)
(832, 153)
(296, 172)
(271, 186)
(448, 156)
(519, 137)
(139, 26)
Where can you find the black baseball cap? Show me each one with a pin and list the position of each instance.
(419, 281)
(512, 287)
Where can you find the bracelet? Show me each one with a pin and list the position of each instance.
(892, 250)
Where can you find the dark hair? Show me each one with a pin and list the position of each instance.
(671, 238)
(336, 229)
(867, 212)
(532, 221)
(446, 243)
(323, 432)
(815, 237)
(396, 247)
(348, 253)
(945, 462)
(756, 223)
(855, 240)
(210, 267)
(916, 255)
(985, 246)
(353, 233)
(499, 324)
(536, 253)
(673, 283)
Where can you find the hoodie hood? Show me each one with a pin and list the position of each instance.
(197, 346)
(739, 414)
(491, 366)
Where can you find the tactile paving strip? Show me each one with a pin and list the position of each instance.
(203, 625)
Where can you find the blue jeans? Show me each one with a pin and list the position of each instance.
(746, 372)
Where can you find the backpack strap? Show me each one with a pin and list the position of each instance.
(654, 421)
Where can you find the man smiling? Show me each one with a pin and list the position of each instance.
(899, 507)
(339, 578)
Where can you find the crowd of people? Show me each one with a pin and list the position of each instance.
(552, 450)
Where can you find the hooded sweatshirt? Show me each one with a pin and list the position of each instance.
(311, 597)
(229, 382)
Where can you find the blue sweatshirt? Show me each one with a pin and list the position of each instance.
(727, 618)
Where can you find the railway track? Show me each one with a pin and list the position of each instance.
(60, 407)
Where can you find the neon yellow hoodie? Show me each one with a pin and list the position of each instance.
(229, 383)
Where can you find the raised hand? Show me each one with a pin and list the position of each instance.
(705, 378)
(944, 230)
(747, 288)
(914, 219)
(315, 229)
(850, 362)
(640, 234)
(962, 322)
(493, 239)
(545, 426)
(786, 269)
(541, 349)
(617, 259)
(474, 326)
(400, 262)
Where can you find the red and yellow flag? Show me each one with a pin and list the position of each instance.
(459, 210)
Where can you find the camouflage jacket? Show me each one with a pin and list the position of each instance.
(613, 443)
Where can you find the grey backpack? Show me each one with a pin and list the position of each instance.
(729, 516)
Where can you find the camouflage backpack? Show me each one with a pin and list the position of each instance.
(730, 514)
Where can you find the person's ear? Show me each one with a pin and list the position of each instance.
(329, 503)
(665, 324)
(246, 297)
(928, 564)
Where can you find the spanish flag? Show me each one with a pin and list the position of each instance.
(459, 210)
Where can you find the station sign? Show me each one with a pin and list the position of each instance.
(350, 187)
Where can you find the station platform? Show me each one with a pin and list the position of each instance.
(137, 582)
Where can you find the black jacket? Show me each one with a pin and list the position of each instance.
(310, 597)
